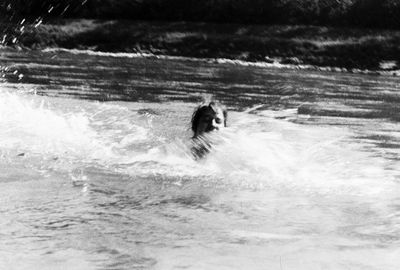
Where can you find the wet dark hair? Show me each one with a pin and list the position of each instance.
(201, 110)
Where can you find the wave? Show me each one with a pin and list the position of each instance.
(272, 63)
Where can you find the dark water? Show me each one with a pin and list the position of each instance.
(95, 169)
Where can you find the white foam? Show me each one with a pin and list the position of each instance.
(307, 158)
(31, 124)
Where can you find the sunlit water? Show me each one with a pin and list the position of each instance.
(96, 170)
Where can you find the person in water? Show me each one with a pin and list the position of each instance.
(205, 119)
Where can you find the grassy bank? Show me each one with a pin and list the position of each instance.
(310, 45)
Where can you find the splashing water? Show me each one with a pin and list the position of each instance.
(255, 151)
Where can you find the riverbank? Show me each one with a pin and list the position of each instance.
(337, 48)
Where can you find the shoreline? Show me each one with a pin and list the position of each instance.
(294, 47)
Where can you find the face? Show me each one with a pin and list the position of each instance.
(211, 119)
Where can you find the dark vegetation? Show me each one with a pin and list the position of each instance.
(339, 33)
(354, 13)
(312, 45)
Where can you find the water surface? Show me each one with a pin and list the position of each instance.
(96, 170)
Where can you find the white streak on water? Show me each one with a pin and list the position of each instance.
(275, 64)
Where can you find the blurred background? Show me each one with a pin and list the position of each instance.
(355, 13)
